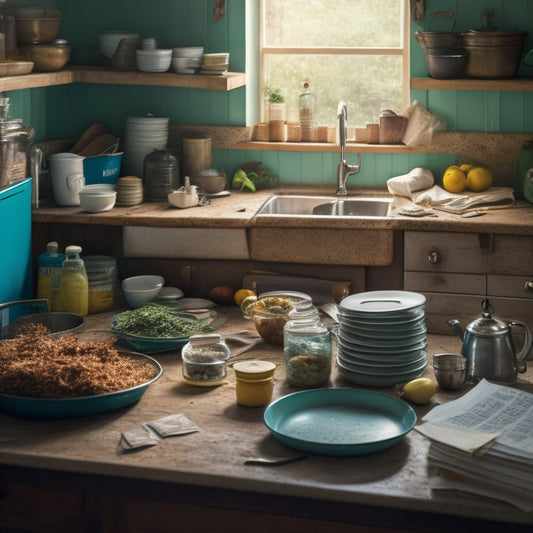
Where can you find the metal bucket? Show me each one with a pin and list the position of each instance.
(493, 54)
(439, 39)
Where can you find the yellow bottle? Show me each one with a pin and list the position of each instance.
(74, 285)
(49, 273)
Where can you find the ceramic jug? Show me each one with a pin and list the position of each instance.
(488, 346)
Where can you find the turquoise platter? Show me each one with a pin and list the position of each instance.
(339, 422)
(56, 408)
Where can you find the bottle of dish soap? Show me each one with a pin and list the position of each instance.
(49, 272)
(74, 285)
(307, 115)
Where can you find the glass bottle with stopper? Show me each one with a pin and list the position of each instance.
(307, 115)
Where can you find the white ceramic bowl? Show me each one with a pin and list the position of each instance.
(139, 290)
(184, 65)
(216, 59)
(97, 200)
(189, 51)
(154, 60)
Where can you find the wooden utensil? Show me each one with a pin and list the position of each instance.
(93, 131)
(98, 145)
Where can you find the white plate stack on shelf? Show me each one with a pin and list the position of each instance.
(143, 135)
(215, 64)
(187, 60)
(382, 337)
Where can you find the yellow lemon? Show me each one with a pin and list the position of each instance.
(454, 179)
(466, 168)
(241, 294)
(479, 179)
(419, 390)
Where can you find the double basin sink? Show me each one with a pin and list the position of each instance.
(326, 206)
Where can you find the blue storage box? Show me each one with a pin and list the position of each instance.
(103, 168)
(15, 242)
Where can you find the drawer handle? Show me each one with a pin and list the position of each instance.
(434, 257)
(528, 286)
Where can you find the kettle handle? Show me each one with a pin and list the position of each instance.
(522, 355)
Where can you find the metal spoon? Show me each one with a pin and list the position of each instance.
(263, 461)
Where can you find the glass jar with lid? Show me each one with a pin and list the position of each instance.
(307, 351)
(204, 360)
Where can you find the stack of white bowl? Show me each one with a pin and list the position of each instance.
(129, 191)
(215, 64)
(109, 41)
(157, 60)
(142, 135)
(187, 60)
(382, 337)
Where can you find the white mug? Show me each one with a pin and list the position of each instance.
(66, 171)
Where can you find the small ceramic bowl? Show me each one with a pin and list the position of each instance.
(139, 290)
(450, 370)
(211, 181)
(97, 200)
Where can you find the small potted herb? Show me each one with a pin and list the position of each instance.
(276, 114)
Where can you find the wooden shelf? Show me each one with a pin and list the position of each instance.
(351, 147)
(513, 84)
(227, 82)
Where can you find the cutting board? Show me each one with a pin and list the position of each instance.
(321, 291)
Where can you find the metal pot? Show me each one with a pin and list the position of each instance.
(446, 63)
(488, 347)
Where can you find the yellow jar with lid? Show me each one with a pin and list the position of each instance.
(254, 382)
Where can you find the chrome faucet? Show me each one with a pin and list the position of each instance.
(344, 170)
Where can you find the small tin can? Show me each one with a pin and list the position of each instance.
(254, 382)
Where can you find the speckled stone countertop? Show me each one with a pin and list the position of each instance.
(229, 434)
(238, 209)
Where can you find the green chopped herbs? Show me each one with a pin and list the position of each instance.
(159, 321)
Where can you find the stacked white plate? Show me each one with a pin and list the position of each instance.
(142, 135)
(157, 60)
(129, 191)
(109, 41)
(382, 337)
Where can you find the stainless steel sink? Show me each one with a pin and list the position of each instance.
(326, 206)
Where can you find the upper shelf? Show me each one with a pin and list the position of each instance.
(227, 82)
(467, 84)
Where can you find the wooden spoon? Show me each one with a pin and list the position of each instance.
(93, 131)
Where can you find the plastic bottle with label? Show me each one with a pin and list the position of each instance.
(74, 285)
(49, 273)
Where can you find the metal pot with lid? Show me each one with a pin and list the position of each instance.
(489, 348)
(493, 53)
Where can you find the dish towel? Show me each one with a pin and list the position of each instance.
(419, 179)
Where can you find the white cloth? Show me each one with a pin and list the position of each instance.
(419, 179)
(420, 125)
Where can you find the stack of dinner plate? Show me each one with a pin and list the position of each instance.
(382, 337)
(143, 135)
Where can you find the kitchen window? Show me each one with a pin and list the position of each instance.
(351, 50)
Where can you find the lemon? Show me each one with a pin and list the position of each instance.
(466, 168)
(479, 179)
(419, 390)
(241, 294)
(454, 179)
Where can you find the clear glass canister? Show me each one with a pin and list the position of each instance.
(161, 175)
(204, 360)
(254, 382)
(102, 274)
(307, 350)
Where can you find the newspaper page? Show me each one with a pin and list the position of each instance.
(501, 417)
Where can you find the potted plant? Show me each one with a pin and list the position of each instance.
(277, 114)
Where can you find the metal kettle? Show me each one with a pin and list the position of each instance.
(489, 349)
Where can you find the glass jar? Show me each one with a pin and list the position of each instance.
(161, 175)
(73, 284)
(102, 274)
(307, 351)
(204, 360)
(254, 382)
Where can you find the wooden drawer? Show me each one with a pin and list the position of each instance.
(468, 253)
(443, 282)
(510, 286)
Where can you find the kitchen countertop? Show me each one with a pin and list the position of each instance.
(238, 209)
(214, 456)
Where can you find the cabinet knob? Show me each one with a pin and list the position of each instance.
(528, 286)
(434, 257)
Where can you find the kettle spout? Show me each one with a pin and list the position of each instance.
(456, 326)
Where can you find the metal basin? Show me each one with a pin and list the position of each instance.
(325, 206)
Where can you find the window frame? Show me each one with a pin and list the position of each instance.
(403, 51)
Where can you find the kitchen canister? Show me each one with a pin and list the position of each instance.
(102, 275)
(254, 382)
(196, 155)
(161, 175)
(66, 171)
(204, 360)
